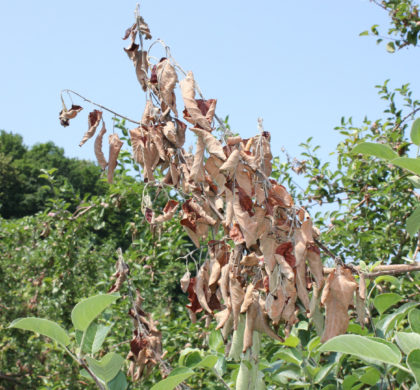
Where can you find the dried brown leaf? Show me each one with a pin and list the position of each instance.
(143, 27)
(140, 63)
(200, 287)
(268, 246)
(185, 281)
(250, 319)
(231, 141)
(168, 212)
(250, 260)
(115, 145)
(224, 284)
(213, 145)
(65, 115)
(337, 297)
(167, 79)
(236, 297)
(247, 298)
(98, 148)
(302, 290)
(195, 115)
(197, 173)
(93, 122)
(229, 166)
(222, 317)
(315, 265)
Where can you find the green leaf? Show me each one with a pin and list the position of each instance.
(407, 341)
(100, 335)
(414, 320)
(209, 361)
(118, 383)
(178, 375)
(88, 309)
(388, 278)
(216, 340)
(376, 150)
(390, 47)
(323, 372)
(371, 376)
(42, 326)
(413, 222)
(349, 381)
(363, 347)
(364, 33)
(89, 337)
(387, 323)
(107, 368)
(411, 164)
(415, 180)
(192, 359)
(413, 361)
(415, 132)
(383, 302)
(291, 341)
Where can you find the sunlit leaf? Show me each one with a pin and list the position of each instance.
(177, 376)
(362, 347)
(411, 164)
(415, 132)
(413, 361)
(390, 47)
(42, 326)
(414, 320)
(407, 341)
(88, 309)
(413, 222)
(384, 301)
(376, 150)
(108, 367)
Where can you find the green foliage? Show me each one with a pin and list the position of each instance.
(51, 260)
(24, 192)
(404, 26)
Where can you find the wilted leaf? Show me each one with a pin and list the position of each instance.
(115, 145)
(167, 79)
(168, 212)
(98, 148)
(140, 63)
(93, 122)
(66, 115)
(196, 117)
(236, 298)
(337, 297)
(212, 144)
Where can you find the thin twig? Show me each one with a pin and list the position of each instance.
(101, 106)
(337, 260)
(405, 118)
(380, 270)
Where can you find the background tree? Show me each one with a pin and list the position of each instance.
(23, 192)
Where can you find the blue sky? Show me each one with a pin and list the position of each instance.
(299, 65)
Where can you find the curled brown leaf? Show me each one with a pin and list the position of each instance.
(93, 122)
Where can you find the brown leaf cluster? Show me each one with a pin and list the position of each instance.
(146, 344)
(267, 267)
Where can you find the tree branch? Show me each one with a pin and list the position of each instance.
(101, 106)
